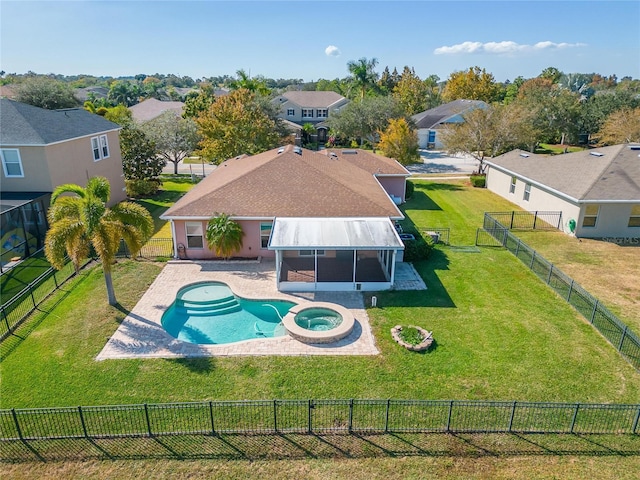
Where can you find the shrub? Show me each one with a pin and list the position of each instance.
(418, 249)
(142, 188)
(479, 181)
(409, 189)
(411, 335)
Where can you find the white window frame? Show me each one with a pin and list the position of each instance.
(95, 149)
(527, 192)
(291, 112)
(634, 217)
(322, 113)
(512, 187)
(104, 146)
(307, 113)
(196, 232)
(5, 168)
(590, 216)
(303, 253)
(264, 238)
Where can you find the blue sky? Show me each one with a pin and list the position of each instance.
(315, 39)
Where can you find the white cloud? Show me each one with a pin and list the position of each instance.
(502, 48)
(332, 51)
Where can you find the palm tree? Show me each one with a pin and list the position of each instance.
(362, 74)
(82, 220)
(224, 235)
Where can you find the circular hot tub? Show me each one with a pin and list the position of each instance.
(318, 322)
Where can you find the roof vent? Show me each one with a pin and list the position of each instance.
(596, 154)
(525, 155)
(333, 155)
(349, 152)
(281, 149)
(297, 150)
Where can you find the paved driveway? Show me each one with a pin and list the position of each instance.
(434, 161)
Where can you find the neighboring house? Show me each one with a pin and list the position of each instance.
(597, 191)
(83, 94)
(429, 122)
(152, 108)
(312, 107)
(41, 149)
(327, 217)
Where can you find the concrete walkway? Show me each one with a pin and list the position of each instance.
(140, 335)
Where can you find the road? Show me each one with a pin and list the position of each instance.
(439, 162)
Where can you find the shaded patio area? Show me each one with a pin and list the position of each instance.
(296, 269)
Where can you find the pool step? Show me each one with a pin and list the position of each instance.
(207, 301)
(202, 310)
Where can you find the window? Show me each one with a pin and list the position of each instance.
(634, 218)
(95, 146)
(307, 113)
(265, 234)
(309, 253)
(321, 113)
(291, 112)
(590, 215)
(11, 162)
(104, 146)
(527, 192)
(512, 188)
(194, 234)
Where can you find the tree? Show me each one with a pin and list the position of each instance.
(474, 84)
(400, 142)
(174, 137)
(139, 155)
(622, 126)
(125, 92)
(364, 119)
(256, 85)
(411, 92)
(595, 111)
(83, 220)
(224, 235)
(363, 75)
(119, 114)
(198, 102)
(551, 73)
(46, 93)
(235, 124)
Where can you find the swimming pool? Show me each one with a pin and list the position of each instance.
(210, 313)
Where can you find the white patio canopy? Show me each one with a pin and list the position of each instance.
(335, 253)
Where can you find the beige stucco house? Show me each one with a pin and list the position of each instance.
(326, 218)
(597, 191)
(313, 107)
(41, 149)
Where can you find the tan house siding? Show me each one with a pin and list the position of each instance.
(35, 169)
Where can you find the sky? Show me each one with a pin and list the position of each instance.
(312, 39)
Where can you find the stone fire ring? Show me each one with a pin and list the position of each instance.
(310, 336)
(421, 347)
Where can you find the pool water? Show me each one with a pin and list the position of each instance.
(210, 313)
(318, 319)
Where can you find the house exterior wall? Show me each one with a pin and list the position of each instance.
(394, 186)
(612, 220)
(37, 177)
(423, 139)
(286, 104)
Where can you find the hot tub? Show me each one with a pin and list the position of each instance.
(318, 322)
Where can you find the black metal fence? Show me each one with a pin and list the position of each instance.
(517, 220)
(610, 326)
(153, 249)
(317, 417)
(16, 309)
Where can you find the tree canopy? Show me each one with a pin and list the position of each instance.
(139, 155)
(472, 84)
(46, 93)
(399, 141)
(224, 235)
(363, 75)
(363, 120)
(622, 126)
(174, 137)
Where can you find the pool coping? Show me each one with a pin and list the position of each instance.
(326, 336)
(140, 334)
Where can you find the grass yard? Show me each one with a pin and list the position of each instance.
(17, 278)
(500, 334)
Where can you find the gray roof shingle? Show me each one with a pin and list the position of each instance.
(22, 124)
(431, 118)
(612, 176)
(313, 99)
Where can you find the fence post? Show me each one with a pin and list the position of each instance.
(146, 414)
(275, 416)
(575, 416)
(350, 426)
(513, 413)
(635, 421)
(518, 248)
(386, 417)
(6, 320)
(593, 312)
(512, 214)
(624, 334)
(84, 426)
(310, 429)
(15, 419)
(533, 257)
(33, 298)
(535, 219)
(550, 273)
(55, 280)
(449, 416)
(570, 290)
(213, 425)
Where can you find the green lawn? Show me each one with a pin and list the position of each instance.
(499, 334)
(17, 278)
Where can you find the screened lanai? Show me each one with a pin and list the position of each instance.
(335, 253)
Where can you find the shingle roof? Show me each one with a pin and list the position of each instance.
(369, 161)
(152, 108)
(313, 99)
(613, 175)
(287, 184)
(22, 124)
(433, 117)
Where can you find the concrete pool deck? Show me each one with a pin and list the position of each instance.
(140, 335)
